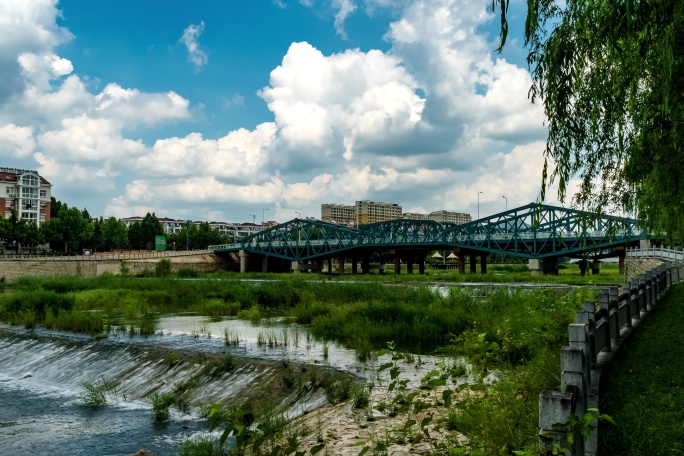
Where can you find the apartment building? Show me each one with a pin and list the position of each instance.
(25, 192)
(415, 216)
(337, 212)
(458, 218)
(372, 212)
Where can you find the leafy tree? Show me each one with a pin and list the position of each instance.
(71, 227)
(142, 234)
(55, 206)
(115, 234)
(610, 75)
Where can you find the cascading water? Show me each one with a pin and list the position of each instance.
(41, 384)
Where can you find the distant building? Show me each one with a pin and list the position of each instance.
(337, 212)
(415, 216)
(25, 192)
(372, 212)
(450, 217)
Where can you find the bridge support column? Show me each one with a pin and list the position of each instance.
(243, 261)
(355, 265)
(409, 265)
(461, 263)
(546, 266)
(621, 262)
(473, 264)
(421, 265)
(595, 267)
(397, 265)
(329, 265)
(264, 264)
(294, 267)
(382, 267)
(582, 267)
(365, 265)
(340, 265)
(483, 264)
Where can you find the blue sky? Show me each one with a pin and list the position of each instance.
(219, 110)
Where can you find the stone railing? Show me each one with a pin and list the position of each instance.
(593, 339)
(662, 253)
(106, 256)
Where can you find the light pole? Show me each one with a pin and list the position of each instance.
(478, 205)
(299, 214)
(262, 215)
(253, 219)
(504, 197)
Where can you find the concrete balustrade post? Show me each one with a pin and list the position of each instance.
(578, 338)
(634, 299)
(555, 407)
(574, 373)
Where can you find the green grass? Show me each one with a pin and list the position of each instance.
(642, 387)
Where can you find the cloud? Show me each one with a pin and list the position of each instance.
(16, 141)
(344, 9)
(190, 39)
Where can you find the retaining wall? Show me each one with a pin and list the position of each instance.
(14, 268)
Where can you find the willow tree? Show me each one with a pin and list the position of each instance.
(610, 75)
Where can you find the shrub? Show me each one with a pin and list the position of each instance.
(188, 273)
(163, 268)
(93, 395)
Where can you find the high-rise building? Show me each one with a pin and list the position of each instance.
(372, 212)
(25, 192)
(450, 217)
(337, 212)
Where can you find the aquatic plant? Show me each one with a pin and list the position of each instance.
(161, 403)
(93, 395)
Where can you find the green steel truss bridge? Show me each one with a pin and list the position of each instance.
(533, 231)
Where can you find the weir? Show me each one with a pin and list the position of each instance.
(42, 374)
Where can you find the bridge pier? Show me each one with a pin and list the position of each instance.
(264, 264)
(294, 267)
(340, 265)
(330, 265)
(355, 265)
(621, 261)
(382, 267)
(483, 263)
(409, 265)
(582, 267)
(546, 266)
(595, 267)
(421, 265)
(365, 265)
(473, 263)
(397, 265)
(461, 263)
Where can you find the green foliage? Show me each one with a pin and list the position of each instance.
(161, 404)
(163, 268)
(187, 273)
(641, 388)
(202, 445)
(94, 394)
(610, 76)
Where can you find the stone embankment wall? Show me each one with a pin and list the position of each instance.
(12, 269)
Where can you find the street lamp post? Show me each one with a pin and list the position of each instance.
(299, 214)
(253, 219)
(504, 197)
(478, 205)
(262, 215)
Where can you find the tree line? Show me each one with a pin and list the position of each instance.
(72, 230)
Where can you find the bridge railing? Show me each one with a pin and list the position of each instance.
(597, 333)
(105, 256)
(664, 253)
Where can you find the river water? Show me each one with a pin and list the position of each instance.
(42, 374)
